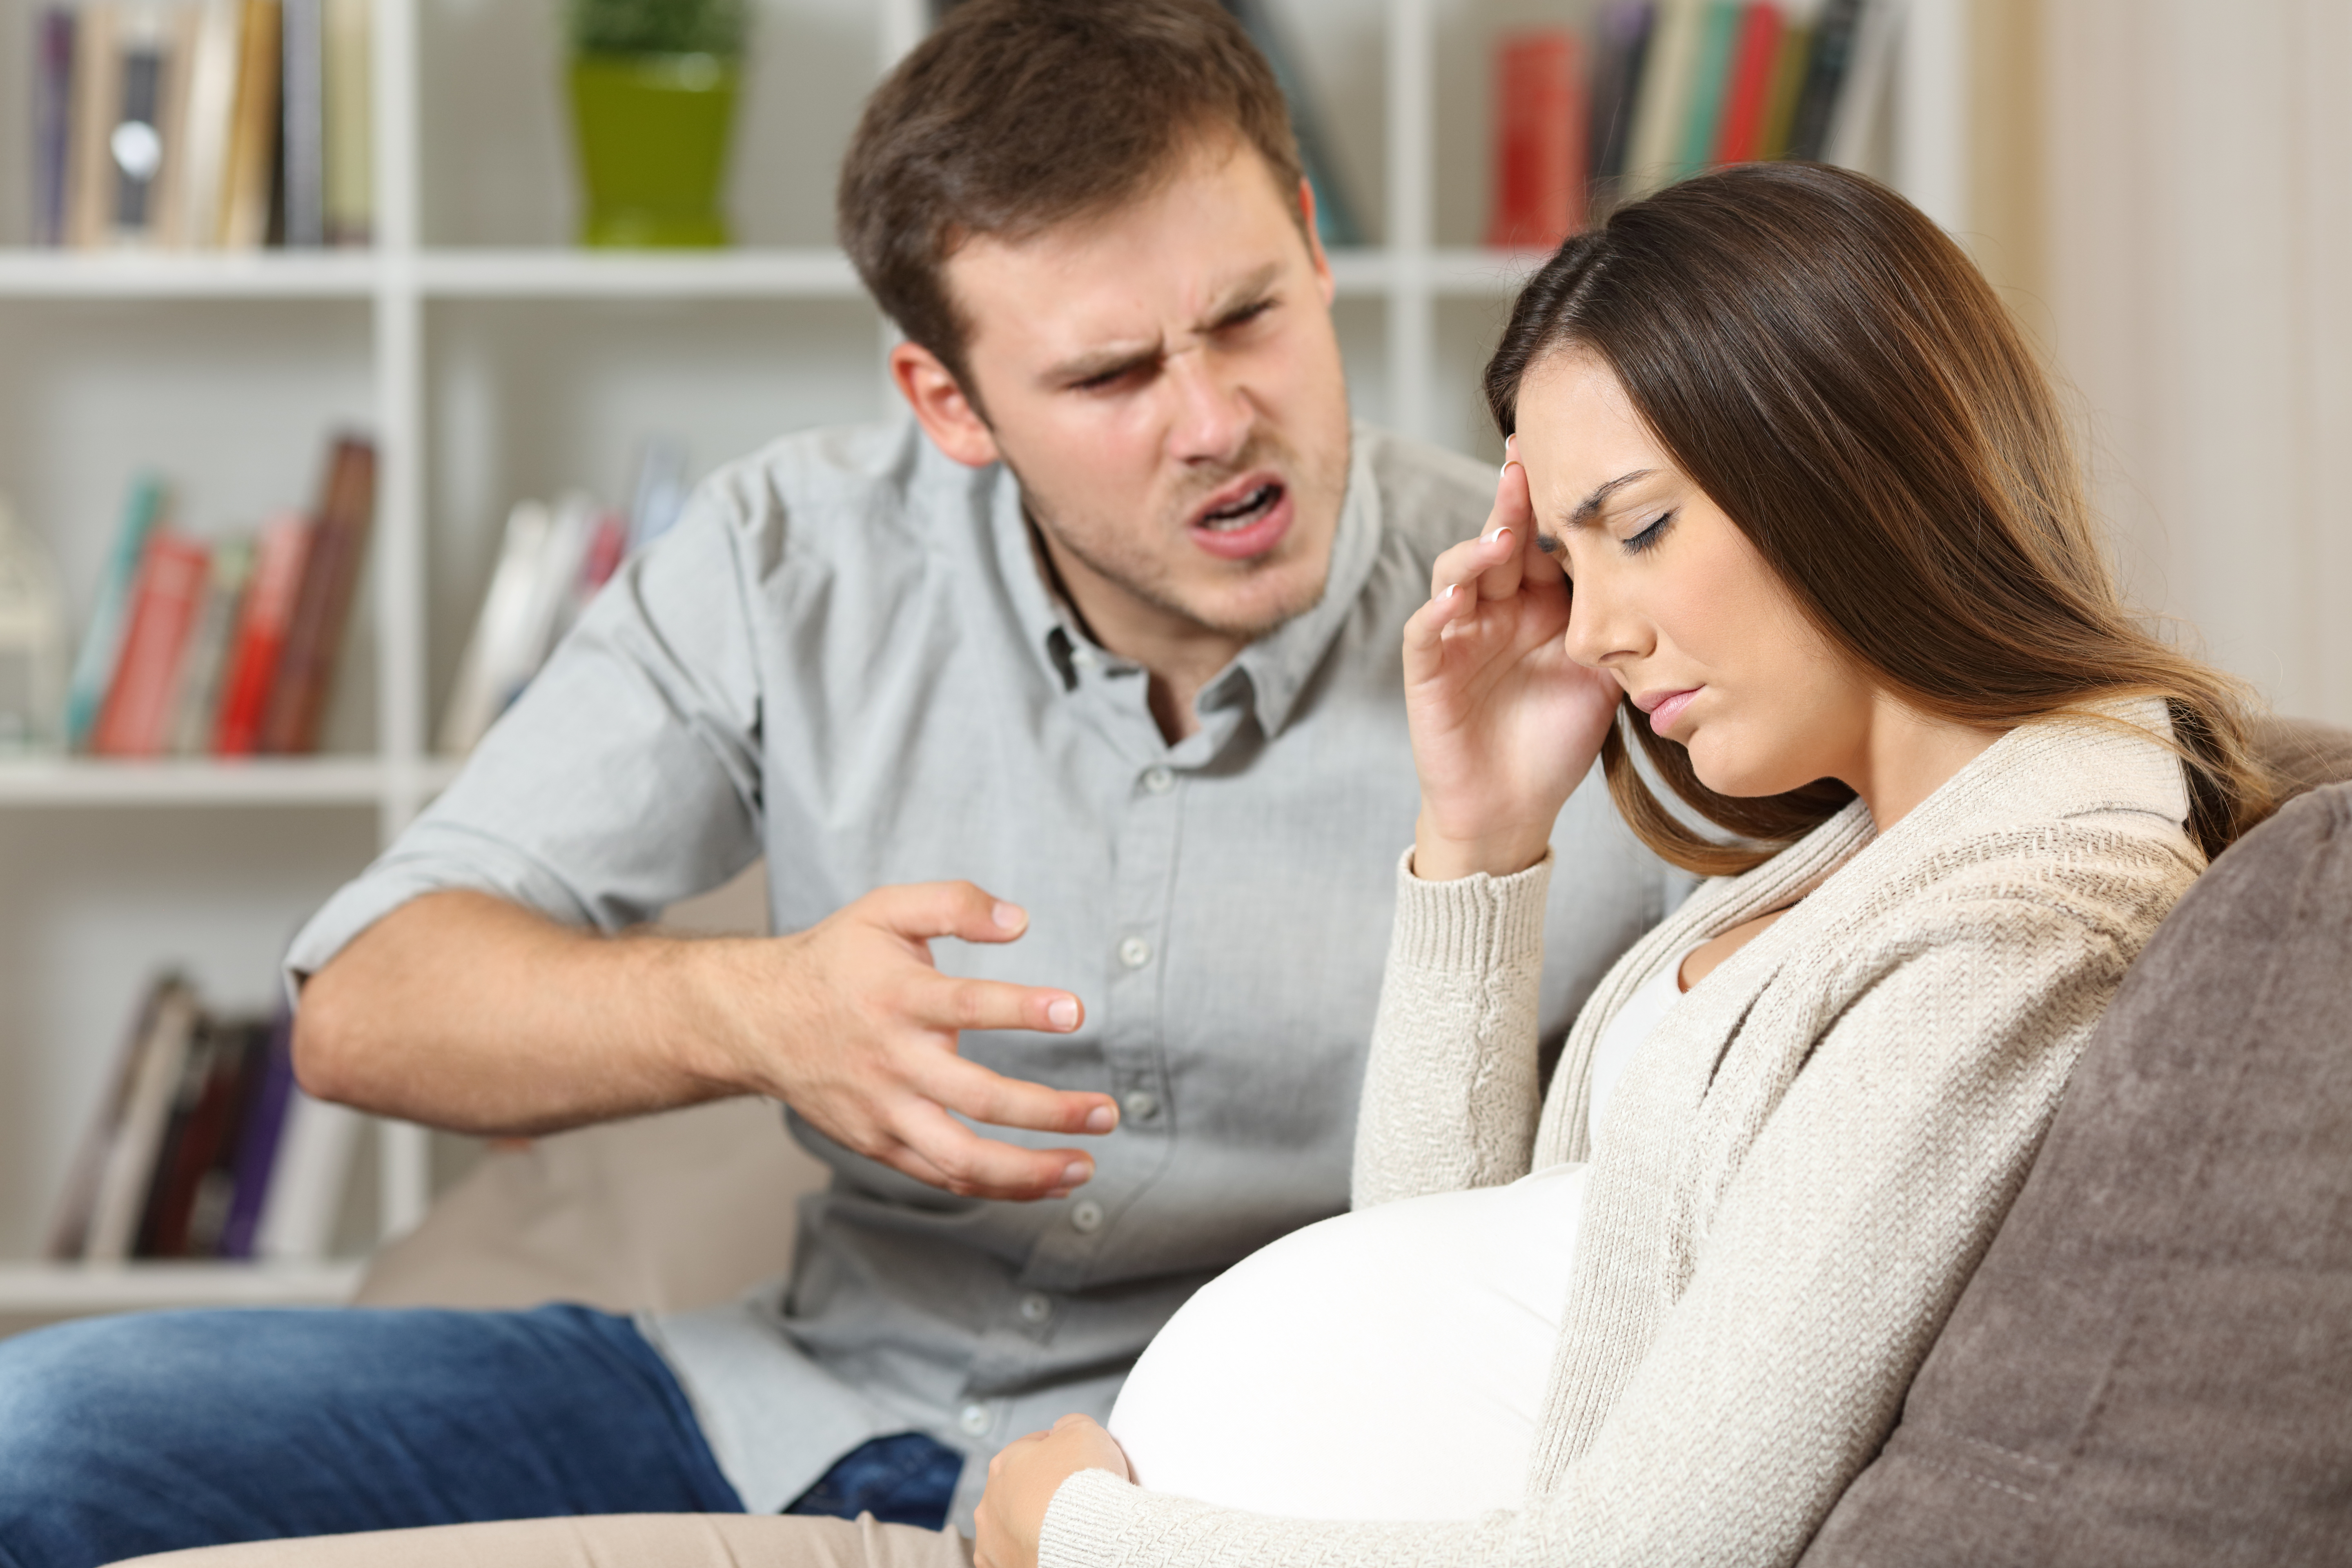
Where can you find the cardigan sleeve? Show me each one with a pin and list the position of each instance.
(1840, 1242)
(1449, 1094)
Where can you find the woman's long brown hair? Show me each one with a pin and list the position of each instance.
(1832, 370)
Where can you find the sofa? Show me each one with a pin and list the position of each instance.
(2152, 1365)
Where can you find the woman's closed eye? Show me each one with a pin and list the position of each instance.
(1649, 537)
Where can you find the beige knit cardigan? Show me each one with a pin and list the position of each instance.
(1796, 1174)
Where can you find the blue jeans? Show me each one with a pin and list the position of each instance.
(126, 1436)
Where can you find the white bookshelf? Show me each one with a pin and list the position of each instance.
(492, 361)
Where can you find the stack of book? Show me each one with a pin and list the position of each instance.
(552, 560)
(204, 1146)
(202, 124)
(1666, 88)
(224, 649)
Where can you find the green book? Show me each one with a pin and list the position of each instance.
(93, 670)
(1710, 74)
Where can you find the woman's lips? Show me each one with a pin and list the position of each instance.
(1665, 708)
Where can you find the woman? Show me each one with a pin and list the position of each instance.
(1832, 566)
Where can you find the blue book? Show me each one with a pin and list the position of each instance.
(93, 670)
(260, 1130)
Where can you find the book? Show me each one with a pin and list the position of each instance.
(1788, 85)
(261, 1129)
(1540, 128)
(171, 1017)
(1662, 103)
(136, 719)
(32, 640)
(660, 491)
(1336, 221)
(1710, 78)
(493, 665)
(1867, 79)
(97, 89)
(350, 162)
(207, 123)
(1621, 40)
(302, 92)
(215, 1197)
(203, 1117)
(70, 1227)
(195, 699)
(260, 635)
(53, 67)
(102, 645)
(1747, 84)
(305, 1194)
(314, 634)
(1827, 63)
(247, 191)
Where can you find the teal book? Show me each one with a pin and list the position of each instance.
(93, 670)
(1710, 84)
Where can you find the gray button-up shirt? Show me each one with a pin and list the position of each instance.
(845, 658)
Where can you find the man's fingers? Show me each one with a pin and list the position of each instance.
(922, 910)
(974, 1166)
(953, 1003)
(972, 1091)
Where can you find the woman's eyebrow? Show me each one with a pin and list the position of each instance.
(1591, 504)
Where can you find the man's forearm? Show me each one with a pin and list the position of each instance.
(463, 1011)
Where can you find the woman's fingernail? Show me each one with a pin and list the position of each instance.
(1501, 536)
(1078, 1174)
(1062, 1013)
(1008, 917)
(1449, 590)
(1101, 1119)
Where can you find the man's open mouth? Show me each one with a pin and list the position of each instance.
(1245, 511)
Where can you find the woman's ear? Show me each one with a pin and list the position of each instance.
(946, 415)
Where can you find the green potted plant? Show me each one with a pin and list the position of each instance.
(653, 104)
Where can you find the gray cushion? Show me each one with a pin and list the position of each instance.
(2153, 1364)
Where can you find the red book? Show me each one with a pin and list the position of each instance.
(1540, 128)
(260, 635)
(136, 720)
(1747, 85)
(314, 635)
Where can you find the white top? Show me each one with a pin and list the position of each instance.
(1309, 1379)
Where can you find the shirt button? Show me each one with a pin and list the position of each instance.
(1036, 1308)
(1135, 953)
(1141, 1105)
(974, 1419)
(1160, 781)
(1086, 1217)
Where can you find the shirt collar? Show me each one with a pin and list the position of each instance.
(1269, 674)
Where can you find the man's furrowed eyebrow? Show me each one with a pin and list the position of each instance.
(1118, 357)
(1592, 503)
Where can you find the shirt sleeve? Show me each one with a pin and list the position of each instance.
(626, 777)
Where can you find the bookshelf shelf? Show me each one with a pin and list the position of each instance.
(259, 781)
(70, 275)
(64, 1289)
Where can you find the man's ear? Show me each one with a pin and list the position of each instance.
(945, 414)
(1330, 285)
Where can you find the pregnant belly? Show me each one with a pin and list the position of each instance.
(1389, 1364)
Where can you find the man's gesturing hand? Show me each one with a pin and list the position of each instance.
(851, 1025)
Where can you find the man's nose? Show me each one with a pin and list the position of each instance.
(1213, 415)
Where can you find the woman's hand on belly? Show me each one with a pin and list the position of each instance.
(1022, 1479)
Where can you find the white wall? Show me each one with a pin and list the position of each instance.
(2200, 253)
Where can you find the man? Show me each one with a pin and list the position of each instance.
(1092, 667)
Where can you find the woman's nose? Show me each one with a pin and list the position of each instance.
(1603, 628)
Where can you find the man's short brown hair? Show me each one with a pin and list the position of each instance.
(1017, 115)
